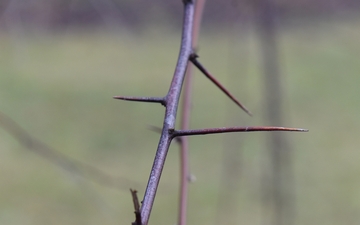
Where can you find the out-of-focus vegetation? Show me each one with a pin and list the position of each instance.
(137, 14)
(59, 87)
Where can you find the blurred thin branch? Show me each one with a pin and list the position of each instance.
(185, 119)
(59, 159)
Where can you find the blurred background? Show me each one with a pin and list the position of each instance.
(69, 152)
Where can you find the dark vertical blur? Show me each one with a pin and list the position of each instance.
(278, 185)
(231, 176)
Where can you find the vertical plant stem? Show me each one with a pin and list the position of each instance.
(185, 119)
(171, 104)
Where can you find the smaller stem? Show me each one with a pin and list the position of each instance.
(177, 133)
(216, 82)
(136, 207)
(185, 120)
(160, 100)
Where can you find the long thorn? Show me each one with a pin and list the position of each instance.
(142, 99)
(177, 133)
(216, 82)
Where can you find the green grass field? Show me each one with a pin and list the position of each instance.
(59, 88)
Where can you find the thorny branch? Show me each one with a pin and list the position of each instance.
(171, 101)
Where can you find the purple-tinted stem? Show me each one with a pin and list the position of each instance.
(171, 102)
(185, 120)
(184, 147)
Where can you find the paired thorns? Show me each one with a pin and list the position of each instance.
(162, 100)
(171, 101)
(193, 59)
(143, 214)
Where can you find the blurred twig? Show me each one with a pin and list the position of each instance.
(61, 160)
(185, 119)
